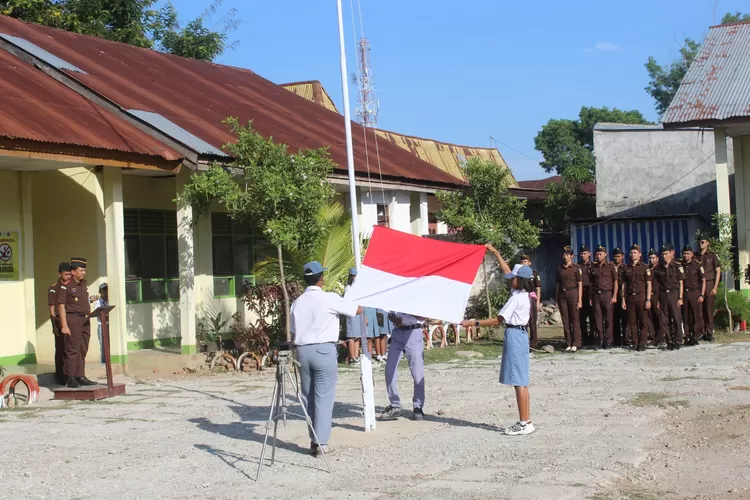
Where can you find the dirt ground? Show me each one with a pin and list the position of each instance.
(610, 424)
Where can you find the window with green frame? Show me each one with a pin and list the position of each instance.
(152, 268)
(236, 249)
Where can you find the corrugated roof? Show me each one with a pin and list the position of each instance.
(717, 84)
(35, 107)
(443, 155)
(588, 188)
(312, 90)
(199, 96)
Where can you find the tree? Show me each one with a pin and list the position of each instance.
(568, 145)
(135, 22)
(665, 80)
(333, 248)
(726, 225)
(281, 193)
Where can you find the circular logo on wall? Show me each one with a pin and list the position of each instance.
(6, 253)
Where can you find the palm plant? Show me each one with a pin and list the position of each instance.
(333, 249)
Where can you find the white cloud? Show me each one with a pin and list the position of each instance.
(604, 47)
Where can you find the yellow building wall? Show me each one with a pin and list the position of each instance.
(66, 216)
(17, 342)
(157, 324)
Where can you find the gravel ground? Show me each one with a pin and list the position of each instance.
(610, 425)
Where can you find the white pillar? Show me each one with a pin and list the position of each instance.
(185, 245)
(414, 212)
(722, 172)
(114, 237)
(742, 202)
(424, 215)
(27, 260)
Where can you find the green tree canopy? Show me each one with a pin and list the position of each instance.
(664, 80)
(568, 145)
(485, 212)
(135, 22)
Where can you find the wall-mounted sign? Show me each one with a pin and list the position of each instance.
(10, 267)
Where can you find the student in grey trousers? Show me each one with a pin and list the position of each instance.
(314, 319)
(405, 339)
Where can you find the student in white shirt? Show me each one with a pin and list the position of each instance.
(314, 319)
(514, 369)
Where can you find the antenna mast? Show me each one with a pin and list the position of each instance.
(367, 103)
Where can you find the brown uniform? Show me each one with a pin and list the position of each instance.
(586, 312)
(619, 317)
(52, 294)
(603, 288)
(567, 300)
(668, 277)
(635, 285)
(692, 308)
(710, 262)
(654, 315)
(75, 296)
(533, 320)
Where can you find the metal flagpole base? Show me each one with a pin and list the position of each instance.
(279, 409)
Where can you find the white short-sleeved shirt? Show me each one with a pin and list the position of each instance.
(517, 310)
(314, 316)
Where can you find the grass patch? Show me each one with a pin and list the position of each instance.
(739, 388)
(656, 399)
(489, 347)
(727, 337)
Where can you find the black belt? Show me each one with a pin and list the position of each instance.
(568, 289)
(410, 327)
(516, 326)
(603, 291)
(317, 343)
(83, 315)
(668, 290)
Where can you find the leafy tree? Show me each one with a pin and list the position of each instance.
(484, 211)
(135, 22)
(281, 193)
(664, 80)
(725, 225)
(568, 145)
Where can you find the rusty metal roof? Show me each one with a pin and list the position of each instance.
(443, 155)
(199, 96)
(587, 188)
(35, 107)
(717, 84)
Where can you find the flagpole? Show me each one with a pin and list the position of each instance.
(365, 365)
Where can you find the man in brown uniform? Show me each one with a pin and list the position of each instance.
(604, 292)
(63, 277)
(695, 292)
(586, 312)
(619, 317)
(536, 303)
(569, 294)
(73, 302)
(654, 317)
(670, 276)
(636, 293)
(712, 269)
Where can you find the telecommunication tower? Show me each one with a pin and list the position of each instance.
(367, 103)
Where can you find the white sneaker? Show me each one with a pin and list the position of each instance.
(520, 430)
(567, 349)
(573, 349)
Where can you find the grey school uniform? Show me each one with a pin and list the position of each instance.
(406, 339)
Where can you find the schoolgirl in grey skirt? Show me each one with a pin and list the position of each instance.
(514, 368)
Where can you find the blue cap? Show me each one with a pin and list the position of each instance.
(353, 271)
(313, 268)
(520, 271)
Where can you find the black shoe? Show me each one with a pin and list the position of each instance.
(391, 413)
(73, 383)
(60, 380)
(677, 347)
(418, 414)
(606, 346)
(85, 381)
(710, 337)
(641, 348)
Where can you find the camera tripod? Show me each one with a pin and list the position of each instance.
(279, 408)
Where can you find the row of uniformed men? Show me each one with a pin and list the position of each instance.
(667, 301)
(69, 308)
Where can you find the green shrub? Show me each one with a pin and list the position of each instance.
(739, 306)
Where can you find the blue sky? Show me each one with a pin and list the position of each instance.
(462, 71)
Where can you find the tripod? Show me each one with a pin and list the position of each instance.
(279, 408)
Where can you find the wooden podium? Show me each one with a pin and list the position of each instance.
(95, 392)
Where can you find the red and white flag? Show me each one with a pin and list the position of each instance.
(413, 275)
